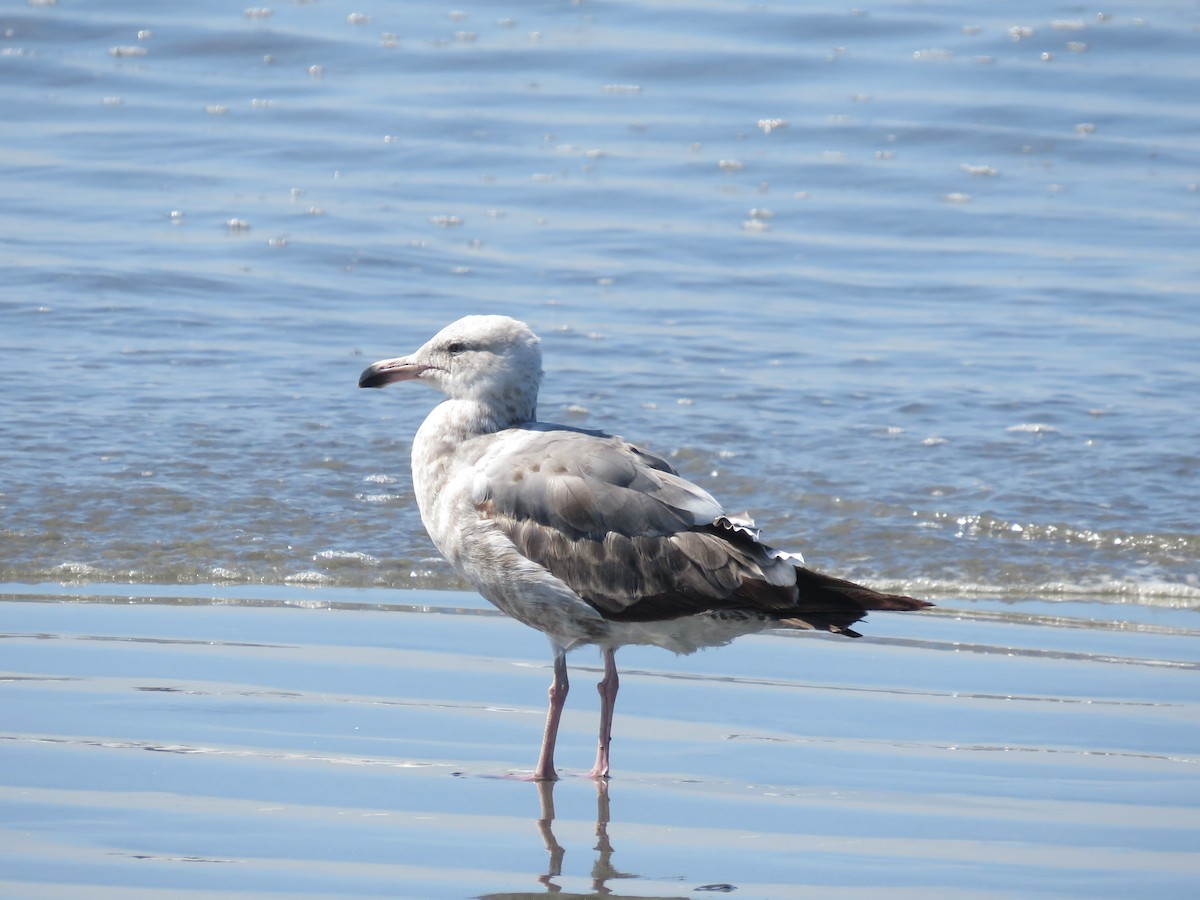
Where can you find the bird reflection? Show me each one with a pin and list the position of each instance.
(603, 870)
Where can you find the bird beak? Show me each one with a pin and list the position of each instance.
(384, 372)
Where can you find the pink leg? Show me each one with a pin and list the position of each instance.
(545, 770)
(608, 700)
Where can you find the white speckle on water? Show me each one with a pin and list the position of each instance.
(1032, 428)
(352, 556)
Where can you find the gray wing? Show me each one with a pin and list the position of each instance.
(623, 530)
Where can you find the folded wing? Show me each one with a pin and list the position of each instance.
(640, 543)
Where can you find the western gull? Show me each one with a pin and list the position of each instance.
(586, 537)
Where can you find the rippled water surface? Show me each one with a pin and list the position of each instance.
(916, 284)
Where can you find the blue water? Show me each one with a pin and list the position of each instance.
(914, 284)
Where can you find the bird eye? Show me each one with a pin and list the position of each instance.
(456, 347)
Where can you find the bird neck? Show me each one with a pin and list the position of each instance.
(448, 433)
(463, 418)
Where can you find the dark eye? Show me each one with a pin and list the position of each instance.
(456, 347)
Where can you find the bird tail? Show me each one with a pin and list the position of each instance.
(834, 604)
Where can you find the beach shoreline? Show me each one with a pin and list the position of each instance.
(281, 742)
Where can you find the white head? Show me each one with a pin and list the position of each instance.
(492, 360)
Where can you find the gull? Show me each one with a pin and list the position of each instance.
(585, 536)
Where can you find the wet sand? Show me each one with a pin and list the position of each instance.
(245, 742)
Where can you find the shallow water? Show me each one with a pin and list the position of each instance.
(914, 284)
(366, 745)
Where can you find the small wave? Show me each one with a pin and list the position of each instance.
(310, 577)
(1170, 595)
(348, 556)
(77, 570)
(979, 525)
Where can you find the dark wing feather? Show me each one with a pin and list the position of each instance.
(640, 543)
